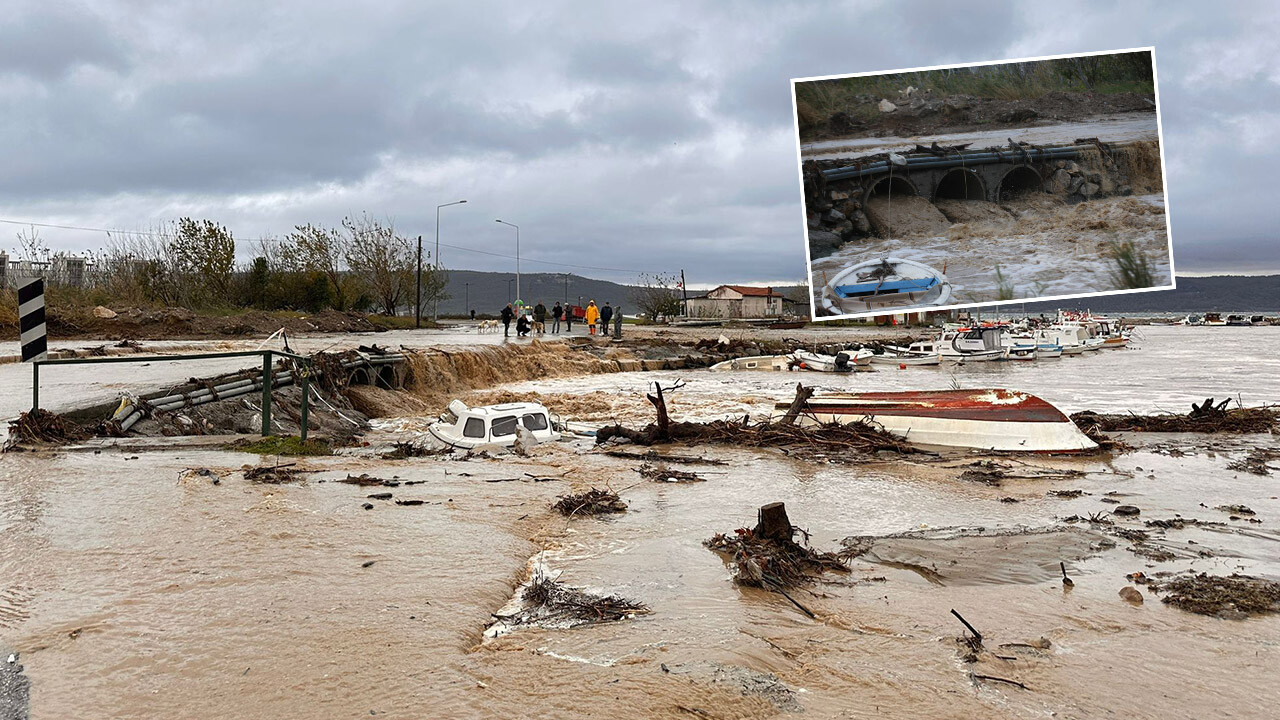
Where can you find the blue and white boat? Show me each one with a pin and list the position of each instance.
(888, 283)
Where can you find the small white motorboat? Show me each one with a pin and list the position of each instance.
(876, 285)
(989, 419)
(756, 362)
(900, 359)
(467, 427)
(843, 361)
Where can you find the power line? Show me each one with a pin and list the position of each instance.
(118, 231)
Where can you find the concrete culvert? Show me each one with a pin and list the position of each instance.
(895, 186)
(960, 184)
(1020, 181)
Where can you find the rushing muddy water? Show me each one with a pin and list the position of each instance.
(135, 589)
(1027, 248)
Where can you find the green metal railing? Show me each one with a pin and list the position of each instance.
(267, 360)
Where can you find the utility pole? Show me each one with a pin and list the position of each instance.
(435, 302)
(684, 295)
(566, 288)
(417, 306)
(466, 310)
(517, 227)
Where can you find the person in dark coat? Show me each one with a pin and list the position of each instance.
(522, 326)
(568, 318)
(556, 313)
(606, 314)
(507, 315)
(540, 318)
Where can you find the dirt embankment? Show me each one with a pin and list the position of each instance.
(175, 323)
(929, 114)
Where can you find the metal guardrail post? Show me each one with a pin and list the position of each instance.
(35, 386)
(266, 393)
(306, 403)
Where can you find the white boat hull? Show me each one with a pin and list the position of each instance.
(757, 362)
(993, 419)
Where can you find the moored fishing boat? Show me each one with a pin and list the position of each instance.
(886, 283)
(989, 419)
(843, 361)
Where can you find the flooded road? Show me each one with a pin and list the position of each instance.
(135, 589)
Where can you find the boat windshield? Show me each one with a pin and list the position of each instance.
(534, 421)
(503, 426)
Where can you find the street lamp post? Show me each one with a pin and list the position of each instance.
(517, 227)
(466, 288)
(435, 302)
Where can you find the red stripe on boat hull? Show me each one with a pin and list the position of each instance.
(990, 405)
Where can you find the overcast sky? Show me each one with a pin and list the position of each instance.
(647, 139)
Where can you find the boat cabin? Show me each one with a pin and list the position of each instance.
(469, 427)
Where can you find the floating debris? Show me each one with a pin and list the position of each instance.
(1232, 597)
(272, 474)
(40, 425)
(658, 473)
(1236, 509)
(409, 449)
(767, 556)
(549, 603)
(365, 479)
(1256, 462)
(1126, 510)
(592, 502)
(1204, 418)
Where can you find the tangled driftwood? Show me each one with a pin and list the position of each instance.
(1206, 417)
(858, 438)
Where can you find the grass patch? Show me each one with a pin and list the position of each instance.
(1004, 286)
(282, 445)
(1132, 269)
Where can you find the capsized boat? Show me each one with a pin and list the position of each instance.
(989, 419)
(886, 283)
(843, 361)
(469, 427)
(756, 362)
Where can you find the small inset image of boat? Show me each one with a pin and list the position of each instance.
(885, 283)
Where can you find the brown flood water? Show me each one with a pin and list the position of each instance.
(134, 590)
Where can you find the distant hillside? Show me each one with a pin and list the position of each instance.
(488, 291)
(1223, 293)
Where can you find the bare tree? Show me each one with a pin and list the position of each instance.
(382, 259)
(657, 295)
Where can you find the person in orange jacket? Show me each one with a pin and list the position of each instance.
(593, 317)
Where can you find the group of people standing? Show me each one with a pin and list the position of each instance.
(534, 320)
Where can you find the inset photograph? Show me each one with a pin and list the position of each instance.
(984, 184)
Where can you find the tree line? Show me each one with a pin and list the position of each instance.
(363, 264)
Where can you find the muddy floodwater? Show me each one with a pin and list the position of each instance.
(1049, 248)
(136, 588)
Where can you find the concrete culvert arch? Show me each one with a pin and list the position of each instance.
(1020, 181)
(960, 184)
(895, 186)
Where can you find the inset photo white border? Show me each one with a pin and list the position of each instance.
(1011, 151)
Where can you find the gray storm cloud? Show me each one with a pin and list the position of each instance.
(652, 139)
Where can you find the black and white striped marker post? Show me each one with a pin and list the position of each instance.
(31, 320)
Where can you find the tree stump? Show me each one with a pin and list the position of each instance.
(772, 522)
(802, 396)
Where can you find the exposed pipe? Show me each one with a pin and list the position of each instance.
(979, 158)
